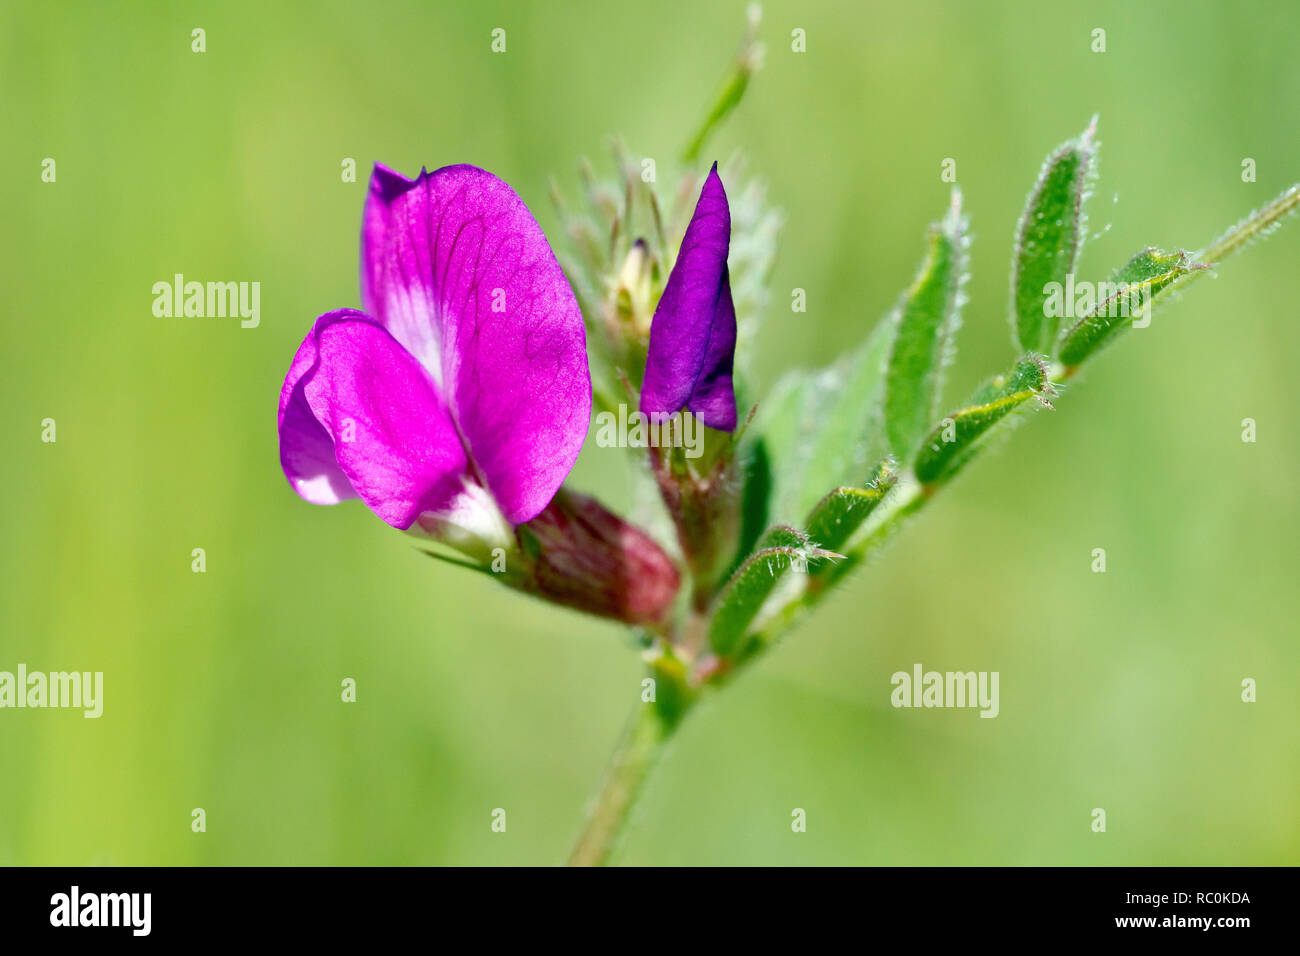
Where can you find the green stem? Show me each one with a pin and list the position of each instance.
(743, 67)
(636, 753)
(1253, 226)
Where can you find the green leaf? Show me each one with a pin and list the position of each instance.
(757, 487)
(1049, 237)
(954, 440)
(783, 536)
(754, 581)
(1128, 296)
(772, 452)
(816, 431)
(820, 430)
(925, 322)
(848, 438)
(958, 439)
(835, 518)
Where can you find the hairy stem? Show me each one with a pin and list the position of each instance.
(636, 753)
(1257, 224)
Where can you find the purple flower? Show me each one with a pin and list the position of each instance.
(460, 398)
(693, 333)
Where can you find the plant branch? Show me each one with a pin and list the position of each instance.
(636, 753)
(1258, 224)
(744, 65)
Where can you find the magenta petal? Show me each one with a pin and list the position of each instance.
(457, 269)
(359, 416)
(306, 449)
(693, 333)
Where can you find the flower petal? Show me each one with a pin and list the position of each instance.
(360, 417)
(457, 269)
(693, 333)
(306, 449)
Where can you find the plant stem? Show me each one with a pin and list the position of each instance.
(1257, 224)
(743, 66)
(636, 753)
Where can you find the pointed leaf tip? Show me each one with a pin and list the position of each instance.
(781, 549)
(838, 515)
(954, 440)
(1123, 301)
(1050, 236)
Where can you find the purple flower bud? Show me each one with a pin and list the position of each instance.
(693, 334)
(579, 554)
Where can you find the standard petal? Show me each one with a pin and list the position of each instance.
(693, 333)
(360, 417)
(457, 269)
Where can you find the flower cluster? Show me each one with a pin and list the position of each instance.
(455, 403)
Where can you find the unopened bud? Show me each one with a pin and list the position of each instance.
(580, 554)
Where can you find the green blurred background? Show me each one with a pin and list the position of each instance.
(1118, 690)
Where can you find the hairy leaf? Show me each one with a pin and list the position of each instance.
(1128, 298)
(848, 439)
(839, 514)
(924, 325)
(740, 601)
(953, 440)
(818, 430)
(1049, 237)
